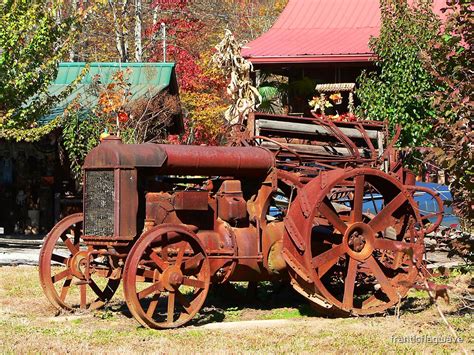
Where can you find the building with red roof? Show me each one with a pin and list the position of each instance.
(326, 41)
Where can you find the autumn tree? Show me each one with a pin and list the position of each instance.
(194, 28)
(449, 60)
(201, 85)
(130, 30)
(113, 108)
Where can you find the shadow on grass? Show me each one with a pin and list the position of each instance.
(230, 300)
(224, 301)
(412, 305)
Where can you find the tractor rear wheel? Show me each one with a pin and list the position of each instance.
(361, 263)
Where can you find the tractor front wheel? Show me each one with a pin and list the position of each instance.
(166, 277)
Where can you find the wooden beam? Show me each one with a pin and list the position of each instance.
(311, 129)
(317, 149)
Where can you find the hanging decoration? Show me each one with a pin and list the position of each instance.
(245, 96)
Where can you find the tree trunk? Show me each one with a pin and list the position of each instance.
(120, 28)
(138, 31)
(125, 29)
(72, 51)
(155, 17)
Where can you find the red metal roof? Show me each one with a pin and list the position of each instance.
(320, 31)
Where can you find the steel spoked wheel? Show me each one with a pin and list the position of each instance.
(364, 263)
(62, 266)
(166, 277)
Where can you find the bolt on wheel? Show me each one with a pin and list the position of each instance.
(166, 277)
(62, 269)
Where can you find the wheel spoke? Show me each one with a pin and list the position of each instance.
(65, 288)
(349, 284)
(83, 288)
(371, 301)
(96, 289)
(193, 282)
(172, 257)
(387, 287)
(183, 301)
(382, 219)
(61, 275)
(157, 286)
(171, 297)
(182, 249)
(162, 265)
(323, 269)
(356, 215)
(327, 209)
(149, 275)
(59, 259)
(63, 242)
(154, 302)
(164, 249)
(193, 262)
(330, 256)
(77, 235)
(72, 248)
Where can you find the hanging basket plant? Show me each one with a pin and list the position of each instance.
(336, 98)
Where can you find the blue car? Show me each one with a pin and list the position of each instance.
(427, 204)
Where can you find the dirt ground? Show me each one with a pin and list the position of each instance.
(274, 322)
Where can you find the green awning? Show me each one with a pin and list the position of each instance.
(146, 79)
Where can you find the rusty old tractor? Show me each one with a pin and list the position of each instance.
(325, 206)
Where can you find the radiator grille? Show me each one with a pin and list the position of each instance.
(99, 203)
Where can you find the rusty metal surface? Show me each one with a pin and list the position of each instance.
(191, 200)
(184, 217)
(112, 153)
(428, 217)
(204, 160)
(231, 205)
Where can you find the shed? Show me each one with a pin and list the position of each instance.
(146, 80)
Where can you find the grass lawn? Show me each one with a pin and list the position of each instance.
(29, 324)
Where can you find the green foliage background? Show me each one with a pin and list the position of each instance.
(81, 132)
(398, 91)
(32, 42)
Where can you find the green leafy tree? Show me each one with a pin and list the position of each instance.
(33, 39)
(449, 60)
(399, 90)
(81, 133)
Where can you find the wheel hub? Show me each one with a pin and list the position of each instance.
(356, 241)
(359, 239)
(78, 264)
(172, 278)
